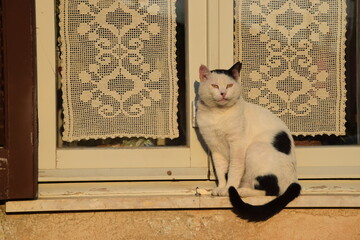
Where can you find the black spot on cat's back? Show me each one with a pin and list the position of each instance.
(282, 142)
(269, 184)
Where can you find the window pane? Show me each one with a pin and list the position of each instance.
(352, 88)
(181, 114)
(293, 56)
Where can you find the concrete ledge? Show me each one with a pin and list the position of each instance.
(173, 195)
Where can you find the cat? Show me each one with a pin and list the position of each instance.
(252, 149)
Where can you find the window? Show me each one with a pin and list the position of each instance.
(182, 158)
(209, 34)
(326, 160)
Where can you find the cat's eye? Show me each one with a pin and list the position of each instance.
(229, 85)
(215, 86)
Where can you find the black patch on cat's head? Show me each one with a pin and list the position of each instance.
(282, 142)
(222, 71)
(269, 184)
(233, 72)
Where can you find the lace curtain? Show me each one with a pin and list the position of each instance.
(119, 76)
(293, 54)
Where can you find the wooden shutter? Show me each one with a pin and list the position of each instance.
(18, 155)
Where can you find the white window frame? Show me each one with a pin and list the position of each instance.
(314, 162)
(329, 175)
(89, 164)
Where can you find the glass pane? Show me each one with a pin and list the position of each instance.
(141, 142)
(293, 52)
(352, 88)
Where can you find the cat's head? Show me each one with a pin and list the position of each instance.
(220, 88)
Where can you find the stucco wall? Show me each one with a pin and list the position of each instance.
(182, 224)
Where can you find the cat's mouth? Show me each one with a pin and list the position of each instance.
(223, 101)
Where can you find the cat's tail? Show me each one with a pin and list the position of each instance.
(263, 212)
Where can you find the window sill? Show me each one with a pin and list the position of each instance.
(173, 195)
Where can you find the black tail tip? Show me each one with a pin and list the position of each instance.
(262, 212)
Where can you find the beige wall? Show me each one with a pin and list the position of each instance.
(337, 224)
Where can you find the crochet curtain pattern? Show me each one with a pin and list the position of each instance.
(293, 54)
(119, 76)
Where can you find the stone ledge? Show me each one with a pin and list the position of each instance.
(173, 195)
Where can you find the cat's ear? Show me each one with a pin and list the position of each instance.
(203, 73)
(235, 70)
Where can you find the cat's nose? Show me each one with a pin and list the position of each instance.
(223, 94)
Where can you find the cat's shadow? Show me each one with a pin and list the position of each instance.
(197, 131)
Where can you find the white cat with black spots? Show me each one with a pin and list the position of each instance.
(252, 149)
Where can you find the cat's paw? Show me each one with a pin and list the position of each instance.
(220, 191)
